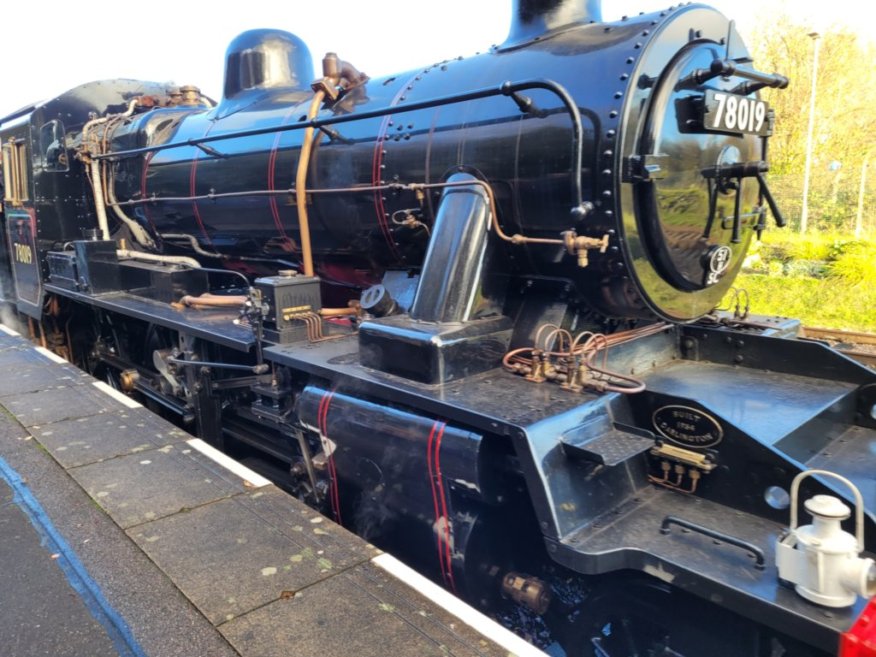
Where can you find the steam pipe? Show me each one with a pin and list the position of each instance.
(197, 248)
(414, 187)
(301, 185)
(162, 259)
(95, 170)
(99, 207)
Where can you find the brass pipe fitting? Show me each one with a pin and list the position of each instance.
(528, 591)
(537, 373)
(128, 380)
(579, 245)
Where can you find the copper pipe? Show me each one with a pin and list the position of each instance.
(338, 312)
(514, 353)
(317, 325)
(301, 192)
(156, 257)
(556, 331)
(301, 186)
(494, 214)
(42, 335)
(214, 300)
(594, 345)
(313, 325)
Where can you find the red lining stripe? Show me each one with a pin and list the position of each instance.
(435, 500)
(376, 163)
(146, 162)
(272, 166)
(192, 192)
(379, 208)
(322, 424)
(447, 542)
(439, 503)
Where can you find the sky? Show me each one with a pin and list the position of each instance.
(184, 41)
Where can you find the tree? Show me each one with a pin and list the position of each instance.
(845, 115)
(845, 110)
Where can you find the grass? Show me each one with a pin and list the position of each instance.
(816, 302)
(823, 279)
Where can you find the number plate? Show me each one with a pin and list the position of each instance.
(726, 112)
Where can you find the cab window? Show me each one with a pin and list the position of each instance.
(53, 148)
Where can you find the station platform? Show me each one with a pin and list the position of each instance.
(121, 534)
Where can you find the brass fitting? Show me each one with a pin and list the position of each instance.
(579, 245)
(328, 87)
(539, 364)
(128, 380)
(577, 378)
(337, 76)
(527, 590)
(190, 96)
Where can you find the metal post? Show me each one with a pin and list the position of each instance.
(804, 215)
(859, 218)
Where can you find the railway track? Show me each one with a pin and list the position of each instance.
(854, 344)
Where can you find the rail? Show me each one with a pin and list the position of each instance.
(846, 342)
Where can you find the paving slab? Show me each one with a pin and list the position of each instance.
(363, 612)
(55, 404)
(31, 377)
(155, 483)
(5, 494)
(160, 618)
(229, 560)
(309, 528)
(86, 440)
(13, 342)
(40, 613)
(17, 351)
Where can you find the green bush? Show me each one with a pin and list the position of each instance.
(855, 265)
(822, 278)
(814, 302)
(786, 245)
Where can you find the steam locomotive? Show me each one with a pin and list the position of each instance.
(470, 311)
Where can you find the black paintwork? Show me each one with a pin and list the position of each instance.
(410, 432)
(592, 501)
(59, 206)
(618, 77)
(432, 352)
(576, 502)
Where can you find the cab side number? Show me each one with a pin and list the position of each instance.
(23, 253)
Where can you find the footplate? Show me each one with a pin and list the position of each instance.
(601, 442)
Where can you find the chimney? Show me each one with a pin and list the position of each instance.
(531, 18)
